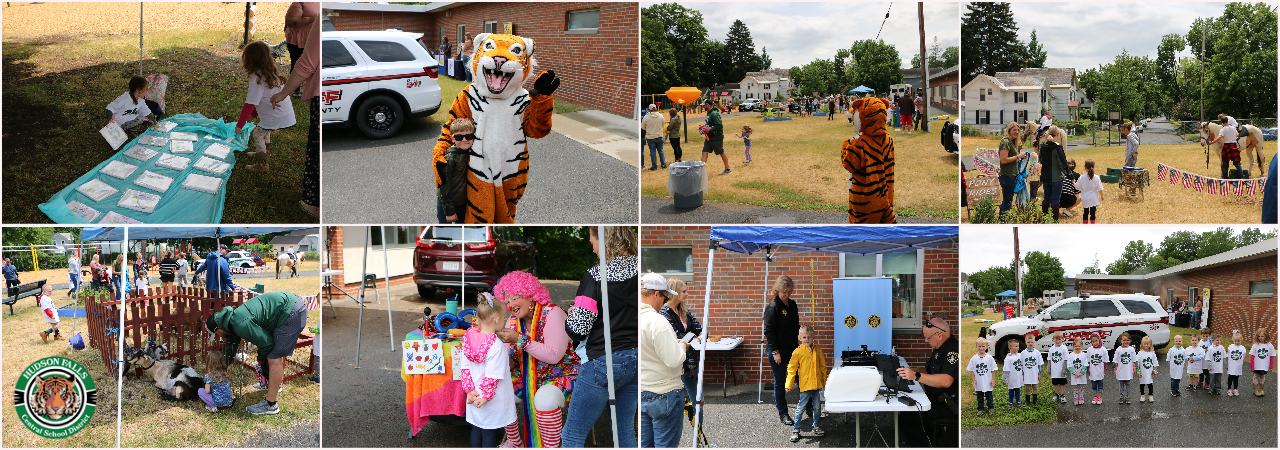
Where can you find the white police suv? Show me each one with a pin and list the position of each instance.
(376, 80)
(1109, 315)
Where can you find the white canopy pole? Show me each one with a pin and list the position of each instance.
(702, 355)
(364, 268)
(120, 356)
(768, 257)
(608, 341)
(386, 278)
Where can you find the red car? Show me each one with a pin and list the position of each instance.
(491, 252)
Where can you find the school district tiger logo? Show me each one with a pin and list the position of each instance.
(1177, 359)
(874, 321)
(1217, 356)
(1237, 355)
(1095, 359)
(1126, 358)
(1055, 357)
(55, 397)
(981, 369)
(850, 321)
(1146, 363)
(1017, 365)
(1263, 353)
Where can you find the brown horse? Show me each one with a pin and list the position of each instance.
(1250, 147)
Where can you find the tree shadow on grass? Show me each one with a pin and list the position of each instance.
(52, 122)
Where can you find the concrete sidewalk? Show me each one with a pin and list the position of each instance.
(606, 133)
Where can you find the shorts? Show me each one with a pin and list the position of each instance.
(166, 278)
(1059, 381)
(716, 147)
(286, 336)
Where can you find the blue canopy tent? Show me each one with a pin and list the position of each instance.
(1006, 294)
(796, 240)
(861, 90)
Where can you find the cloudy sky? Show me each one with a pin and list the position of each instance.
(1085, 35)
(985, 246)
(797, 33)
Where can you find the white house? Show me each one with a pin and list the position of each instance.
(764, 85)
(991, 101)
(1065, 95)
(62, 242)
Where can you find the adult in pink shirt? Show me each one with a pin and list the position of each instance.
(536, 331)
(298, 21)
(307, 70)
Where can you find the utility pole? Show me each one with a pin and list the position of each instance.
(924, 74)
(1017, 274)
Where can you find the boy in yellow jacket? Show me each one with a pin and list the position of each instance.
(808, 369)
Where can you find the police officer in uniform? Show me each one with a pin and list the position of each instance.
(941, 381)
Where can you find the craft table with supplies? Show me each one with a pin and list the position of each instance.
(429, 395)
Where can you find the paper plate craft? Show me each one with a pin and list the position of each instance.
(166, 126)
(219, 151)
(119, 169)
(154, 141)
(97, 190)
(140, 153)
(211, 165)
(82, 211)
(183, 136)
(139, 201)
(182, 146)
(114, 218)
(114, 135)
(174, 162)
(197, 182)
(153, 181)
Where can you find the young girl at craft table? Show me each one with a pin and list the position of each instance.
(265, 80)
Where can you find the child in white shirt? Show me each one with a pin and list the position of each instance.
(50, 313)
(1148, 364)
(132, 108)
(1264, 358)
(1235, 363)
(1206, 341)
(1032, 364)
(265, 80)
(1195, 363)
(1077, 366)
(1098, 359)
(1057, 367)
(486, 375)
(1013, 373)
(1216, 356)
(1090, 187)
(1124, 368)
(1177, 359)
(983, 367)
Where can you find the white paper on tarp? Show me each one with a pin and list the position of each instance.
(114, 135)
(183, 136)
(97, 190)
(174, 162)
(82, 210)
(114, 218)
(211, 165)
(182, 147)
(119, 169)
(166, 126)
(139, 201)
(140, 153)
(423, 357)
(154, 141)
(219, 151)
(197, 182)
(153, 181)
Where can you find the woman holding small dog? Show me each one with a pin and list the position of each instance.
(271, 321)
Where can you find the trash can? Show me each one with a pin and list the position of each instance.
(686, 182)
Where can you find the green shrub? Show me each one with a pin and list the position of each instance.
(985, 212)
(311, 256)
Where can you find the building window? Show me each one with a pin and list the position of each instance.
(1262, 288)
(490, 26)
(397, 236)
(749, 95)
(962, 96)
(905, 269)
(583, 22)
(982, 117)
(982, 95)
(462, 34)
(766, 86)
(672, 261)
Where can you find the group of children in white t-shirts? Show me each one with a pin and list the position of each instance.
(1077, 366)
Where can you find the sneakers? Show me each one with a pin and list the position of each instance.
(818, 432)
(1122, 400)
(726, 172)
(262, 387)
(314, 379)
(786, 419)
(263, 408)
(982, 412)
(214, 409)
(1062, 398)
(795, 436)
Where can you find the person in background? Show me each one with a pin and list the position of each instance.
(73, 274)
(652, 124)
(678, 314)
(307, 71)
(11, 277)
(219, 273)
(661, 392)
(298, 20)
(673, 135)
(781, 331)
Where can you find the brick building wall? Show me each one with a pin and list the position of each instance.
(1231, 306)
(739, 294)
(593, 68)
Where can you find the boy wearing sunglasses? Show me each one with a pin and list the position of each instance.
(452, 195)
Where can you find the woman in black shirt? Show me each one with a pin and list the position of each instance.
(781, 332)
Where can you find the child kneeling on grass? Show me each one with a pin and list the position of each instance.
(1013, 373)
(50, 313)
(216, 392)
(808, 370)
(983, 367)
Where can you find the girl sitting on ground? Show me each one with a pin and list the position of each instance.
(265, 80)
(131, 108)
(216, 392)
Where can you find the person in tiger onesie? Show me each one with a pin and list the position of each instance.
(869, 160)
(505, 115)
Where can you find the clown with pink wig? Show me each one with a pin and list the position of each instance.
(543, 365)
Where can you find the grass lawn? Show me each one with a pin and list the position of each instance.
(57, 82)
(1163, 203)
(796, 165)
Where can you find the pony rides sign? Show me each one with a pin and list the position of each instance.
(55, 397)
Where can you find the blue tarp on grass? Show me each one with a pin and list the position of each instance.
(177, 204)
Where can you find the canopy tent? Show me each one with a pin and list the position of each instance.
(798, 240)
(1006, 294)
(861, 90)
(135, 232)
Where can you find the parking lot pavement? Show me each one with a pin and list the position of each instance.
(391, 180)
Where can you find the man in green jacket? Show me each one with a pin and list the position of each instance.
(715, 135)
(271, 321)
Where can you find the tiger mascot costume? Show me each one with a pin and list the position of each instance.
(869, 160)
(505, 115)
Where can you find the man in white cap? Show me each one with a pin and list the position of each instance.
(661, 363)
(653, 132)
